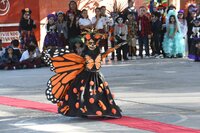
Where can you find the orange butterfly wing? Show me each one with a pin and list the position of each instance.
(89, 62)
(66, 66)
(98, 62)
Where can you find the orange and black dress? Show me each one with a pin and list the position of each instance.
(79, 88)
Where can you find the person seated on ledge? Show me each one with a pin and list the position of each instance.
(30, 59)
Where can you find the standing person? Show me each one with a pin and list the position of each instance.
(82, 92)
(156, 30)
(173, 43)
(130, 9)
(84, 21)
(132, 35)
(98, 21)
(144, 31)
(113, 16)
(120, 32)
(26, 26)
(51, 39)
(192, 12)
(62, 29)
(73, 9)
(161, 10)
(195, 37)
(105, 17)
(98, 24)
(73, 29)
(184, 29)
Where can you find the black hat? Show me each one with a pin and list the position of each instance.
(120, 16)
(26, 10)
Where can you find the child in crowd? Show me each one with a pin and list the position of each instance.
(156, 27)
(16, 50)
(78, 46)
(121, 31)
(62, 29)
(9, 60)
(30, 59)
(173, 44)
(184, 29)
(26, 27)
(51, 39)
(195, 47)
(144, 31)
(191, 15)
(132, 34)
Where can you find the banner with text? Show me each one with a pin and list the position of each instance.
(7, 37)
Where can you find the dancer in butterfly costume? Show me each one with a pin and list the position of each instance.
(79, 88)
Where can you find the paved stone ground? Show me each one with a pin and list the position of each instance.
(164, 90)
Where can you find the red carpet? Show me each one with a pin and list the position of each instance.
(131, 122)
(28, 104)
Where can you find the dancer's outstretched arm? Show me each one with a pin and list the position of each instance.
(110, 50)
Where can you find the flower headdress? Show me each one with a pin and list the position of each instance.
(26, 10)
(93, 35)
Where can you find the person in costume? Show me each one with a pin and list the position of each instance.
(191, 15)
(78, 87)
(184, 29)
(51, 39)
(173, 44)
(26, 26)
(121, 32)
(132, 35)
(195, 37)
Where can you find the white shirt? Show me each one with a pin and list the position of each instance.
(100, 23)
(2, 52)
(84, 21)
(107, 22)
(26, 55)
